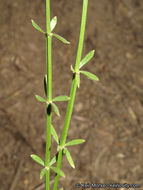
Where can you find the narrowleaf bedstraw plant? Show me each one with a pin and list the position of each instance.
(62, 145)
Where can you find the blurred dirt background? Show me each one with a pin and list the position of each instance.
(107, 114)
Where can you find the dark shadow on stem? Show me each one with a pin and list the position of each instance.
(73, 77)
(49, 109)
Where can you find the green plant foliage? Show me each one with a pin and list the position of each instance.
(49, 100)
(87, 58)
(53, 23)
(53, 161)
(90, 75)
(55, 108)
(61, 98)
(53, 132)
(40, 99)
(58, 171)
(37, 159)
(75, 142)
(42, 173)
(37, 27)
(69, 158)
(78, 80)
(72, 91)
(72, 69)
(61, 39)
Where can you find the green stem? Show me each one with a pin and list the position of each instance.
(82, 32)
(49, 91)
(73, 91)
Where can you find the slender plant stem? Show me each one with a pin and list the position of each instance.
(49, 91)
(73, 91)
(82, 32)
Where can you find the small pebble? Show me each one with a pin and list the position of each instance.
(26, 181)
(129, 55)
(120, 155)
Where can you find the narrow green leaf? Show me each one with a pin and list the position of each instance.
(53, 132)
(53, 23)
(87, 58)
(61, 39)
(61, 98)
(61, 188)
(55, 108)
(40, 99)
(72, 69)
(45, 84)
(42, 173)
(37, 159)
(64, 150)
(53, 161)
(75, 142)
(37, 27)
(58, 171)
(78, 80)
(90, 75)
(69, 158)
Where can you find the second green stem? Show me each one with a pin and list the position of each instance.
(73, 91)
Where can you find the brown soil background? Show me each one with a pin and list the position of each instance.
(107, 114)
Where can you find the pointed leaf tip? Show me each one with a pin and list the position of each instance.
(78, 80)
(53, 161)
(40, 99)
(75, 142)
(58, 171)
(69, 158)
(42, 173)
(61, 39)
(53, 132)
(61, 98)
(72, 69)
(37, 159)
(37, 27)
(87, 58)
(55, 108)
(90, 75)
(53, 23)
